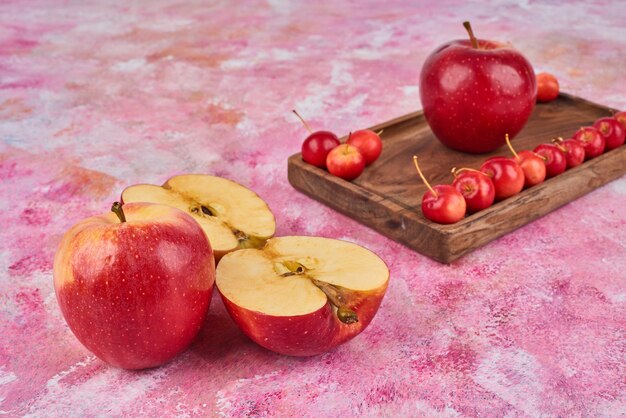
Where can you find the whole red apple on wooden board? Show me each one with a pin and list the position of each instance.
(302, 296)
(135, 287)
(475, 91)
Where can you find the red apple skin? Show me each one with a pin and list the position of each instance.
(473, 97)
(506, 174)
(533, 167)
(621, 118)
(574, 153)
(306, 335)
(612, 131)
(369, 144)
(555, 160)
(136, 293)
(447, 207)
(345, 161)
(477, 190)
(592, 141)
(316, 147)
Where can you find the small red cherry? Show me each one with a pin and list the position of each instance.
(443, 203)
(317, 145)
(592, 140)
(573, 150)
(612, 131)
(533, 165)
(368, 142)
(476, 187)
(554, 159)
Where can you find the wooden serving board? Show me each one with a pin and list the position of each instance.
(387, 196)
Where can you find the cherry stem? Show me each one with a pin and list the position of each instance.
(379, 133)
(417, 167)
(335, 297)
(455, 172)
(558, 142)
(508, 142)
(117, 209)
(470, 32)
(306, 125)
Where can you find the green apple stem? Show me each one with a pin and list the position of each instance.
(417, 167)
(306, 125)
(508, 143)
(470, 32)
(336, 298)
(117, 209)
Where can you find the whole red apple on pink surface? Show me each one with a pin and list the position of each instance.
(302, 296)
(135, 286)
(475, 91)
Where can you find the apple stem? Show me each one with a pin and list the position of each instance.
(335, 296)
(423, 178)
(117, 209)
(379, 133)
(455, 172)
(558, 142)
(470, 32)
(508, 142)
(306, 125)
(346, 152)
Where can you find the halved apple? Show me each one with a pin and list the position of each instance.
(231, 215)
(302, 296)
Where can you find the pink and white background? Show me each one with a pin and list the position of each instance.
(96, 95)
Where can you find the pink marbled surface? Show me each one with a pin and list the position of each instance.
(94, 97)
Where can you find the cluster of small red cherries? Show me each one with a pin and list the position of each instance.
(501, 177)
(347, 161)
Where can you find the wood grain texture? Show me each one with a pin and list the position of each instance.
(387, 196)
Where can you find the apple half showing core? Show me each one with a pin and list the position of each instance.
(302, 296)
(231, 215)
